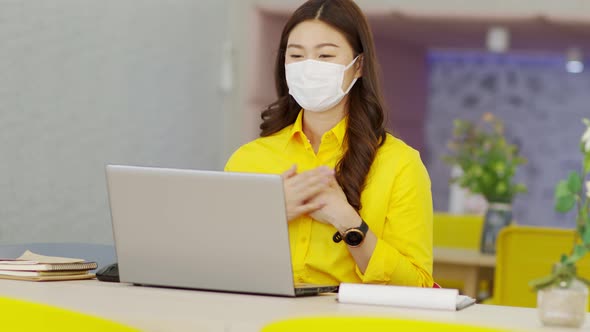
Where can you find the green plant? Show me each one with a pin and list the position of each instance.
(571, 193)
(487, 160)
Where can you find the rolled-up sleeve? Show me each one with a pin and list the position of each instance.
(403, 254)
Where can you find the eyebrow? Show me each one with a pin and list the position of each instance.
(317, 46)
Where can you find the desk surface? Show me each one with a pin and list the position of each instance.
(463, 257)
(160, 309)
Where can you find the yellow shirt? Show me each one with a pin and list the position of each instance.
(396, 204)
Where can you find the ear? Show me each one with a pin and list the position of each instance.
(358, 66)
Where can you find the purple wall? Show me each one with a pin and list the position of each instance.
(405, 81)
(542, 107)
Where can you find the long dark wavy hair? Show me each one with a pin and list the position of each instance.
(365, 132)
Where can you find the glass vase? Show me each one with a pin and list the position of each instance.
(498, 216)
(563, 304)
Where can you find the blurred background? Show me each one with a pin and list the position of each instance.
(181, 83)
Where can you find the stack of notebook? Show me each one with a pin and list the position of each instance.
(34, 267)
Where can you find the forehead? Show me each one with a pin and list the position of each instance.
(313, 32)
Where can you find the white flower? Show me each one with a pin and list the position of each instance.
(588, 189)
(586, 137)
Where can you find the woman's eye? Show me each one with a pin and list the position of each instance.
(325, 56)
(295, 56)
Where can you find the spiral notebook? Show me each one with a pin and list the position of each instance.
(409, 297)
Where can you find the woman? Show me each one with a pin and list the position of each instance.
(358, 200)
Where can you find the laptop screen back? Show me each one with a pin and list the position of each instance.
(200, 229)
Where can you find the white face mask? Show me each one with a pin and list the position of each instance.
(317, 85)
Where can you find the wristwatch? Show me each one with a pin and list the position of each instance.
(354, 236)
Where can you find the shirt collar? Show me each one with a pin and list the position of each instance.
(297, 128)
(339, 130)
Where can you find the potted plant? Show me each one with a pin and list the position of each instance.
(488, 163)
(562, 296)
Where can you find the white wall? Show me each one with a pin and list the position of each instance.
(570, 8)
(85, 83)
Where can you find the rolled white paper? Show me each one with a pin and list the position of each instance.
(410, 297)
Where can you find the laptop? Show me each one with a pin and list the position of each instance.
(203, 230)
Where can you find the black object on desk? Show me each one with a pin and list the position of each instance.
(108, 273)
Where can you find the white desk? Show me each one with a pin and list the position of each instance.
(159, 309)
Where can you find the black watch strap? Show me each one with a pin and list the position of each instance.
(363, 228)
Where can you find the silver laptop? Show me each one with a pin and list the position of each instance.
(203, 230)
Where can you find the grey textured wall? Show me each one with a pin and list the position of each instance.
(542, 107)
(85, 83)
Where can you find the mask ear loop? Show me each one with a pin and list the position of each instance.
(352, 63)
(350, 86)
(356, 78)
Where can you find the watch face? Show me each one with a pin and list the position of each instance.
(354, 237)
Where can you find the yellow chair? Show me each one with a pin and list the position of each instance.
(20, 315)
(355, 324)
(456, 230)
(461, 231)
(525, 253)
